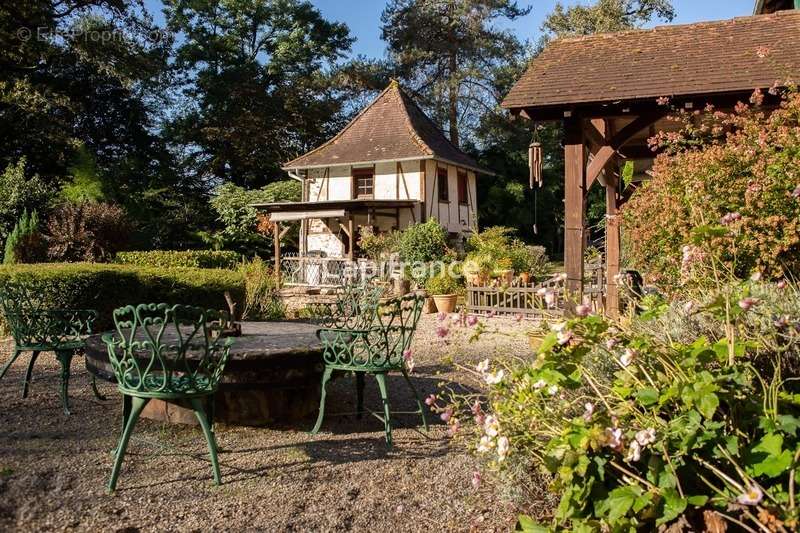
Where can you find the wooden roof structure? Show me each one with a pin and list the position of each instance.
(391, 128)
(771, 6)
(611, 93)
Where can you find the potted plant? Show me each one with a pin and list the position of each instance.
(444, 290)
(503, 271)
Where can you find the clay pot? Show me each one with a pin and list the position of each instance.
(445, 303)
(429, 306)
(525, 278)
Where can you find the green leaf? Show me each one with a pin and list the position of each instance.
(674, 506)
(707, 404)
(698, 500)
(619, 502)
(526, 524)
(647, 396)
(776, 461)
(789, 424)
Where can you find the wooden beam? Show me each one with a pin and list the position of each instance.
(606, 152)
(351, 235)
(574, 208)
(276, 237)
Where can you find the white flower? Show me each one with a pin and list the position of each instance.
(689, 307)
(483, 366)
(751, 496)
(558, 326)
(485, 444)
(634, 452)
(614, 438)
(540, 384)
(583, 310)
(627, 357)
(494, 379)
(552, 390)
(755, 276)
(611, 343)
(564, 337)
(542, 291)
(587, 415)
(646, 436)
(502, 448)
(491, 426)
(549, 298)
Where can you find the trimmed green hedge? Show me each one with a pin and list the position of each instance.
(105, 287)
(180, 258)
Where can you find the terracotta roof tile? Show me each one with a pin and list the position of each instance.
(391, 127)
(679, 60)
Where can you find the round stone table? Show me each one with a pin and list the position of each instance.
(273, 375)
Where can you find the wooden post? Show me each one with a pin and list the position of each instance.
(612, 250)
(276, 237)
(351, 236)
(574, 208)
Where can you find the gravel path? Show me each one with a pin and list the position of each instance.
(53, 468)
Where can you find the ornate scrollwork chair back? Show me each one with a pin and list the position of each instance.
(163, 350)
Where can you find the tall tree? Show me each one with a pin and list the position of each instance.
(606, 16)
(257, 87)
(448, 50)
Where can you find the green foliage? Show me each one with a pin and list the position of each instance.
(605, 16)
(104, 287)
(24, 244)
(736, 188)
(259, 77)
(85, 184)
(380, 246)
(180, 258)
(233, 205)
(423, 242)
(530, 259)
(262, 301)
(495, 248)
(87, 231)
(19, 194)
(443, 283)
(448, 52)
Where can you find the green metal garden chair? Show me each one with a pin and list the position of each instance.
(167, 352)
(37, 328)
(377, 346)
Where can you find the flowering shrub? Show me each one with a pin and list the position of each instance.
(640, 431)
(740, 169)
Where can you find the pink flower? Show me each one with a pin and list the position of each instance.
(646, 437)
(611, 343)
(455, 425)
(755, 276)
(751, 496)
(781, 284)
(762, 52)
(445, 416)
(627, 357)
(472, 320)
(748, 303)
(796, 192)
(441, 317)
(587, 414)
(476, 408)
(582, 310)
(503, 446)
(490, 314)
(634, 452)
(757, 98)
(442, 331)
(549, 298)
(689, 307)
(662, 100)
(730, 218)
(476, 479)
(564, 337)
(430, 400)
(518, 317)
(614, 438)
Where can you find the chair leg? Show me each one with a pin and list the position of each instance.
(127, 406)
(381, 379)
(325, 377)
(14, 355)
(200, 413)
(96, 392)
(65, 358)
(28, 373)
(359, 395)
(136, 407)
(416, 397)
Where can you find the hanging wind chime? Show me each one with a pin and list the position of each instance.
(536, 177)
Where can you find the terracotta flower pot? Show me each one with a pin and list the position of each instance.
(445, 303)
(525, 278)
(429, 306)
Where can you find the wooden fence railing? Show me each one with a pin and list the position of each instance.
(536, 301)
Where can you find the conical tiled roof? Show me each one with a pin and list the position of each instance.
(391, 128)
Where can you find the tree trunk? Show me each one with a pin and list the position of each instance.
(453, 97)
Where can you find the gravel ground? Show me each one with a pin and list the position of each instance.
(53, 468)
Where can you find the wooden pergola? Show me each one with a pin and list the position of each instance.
(612, 92)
